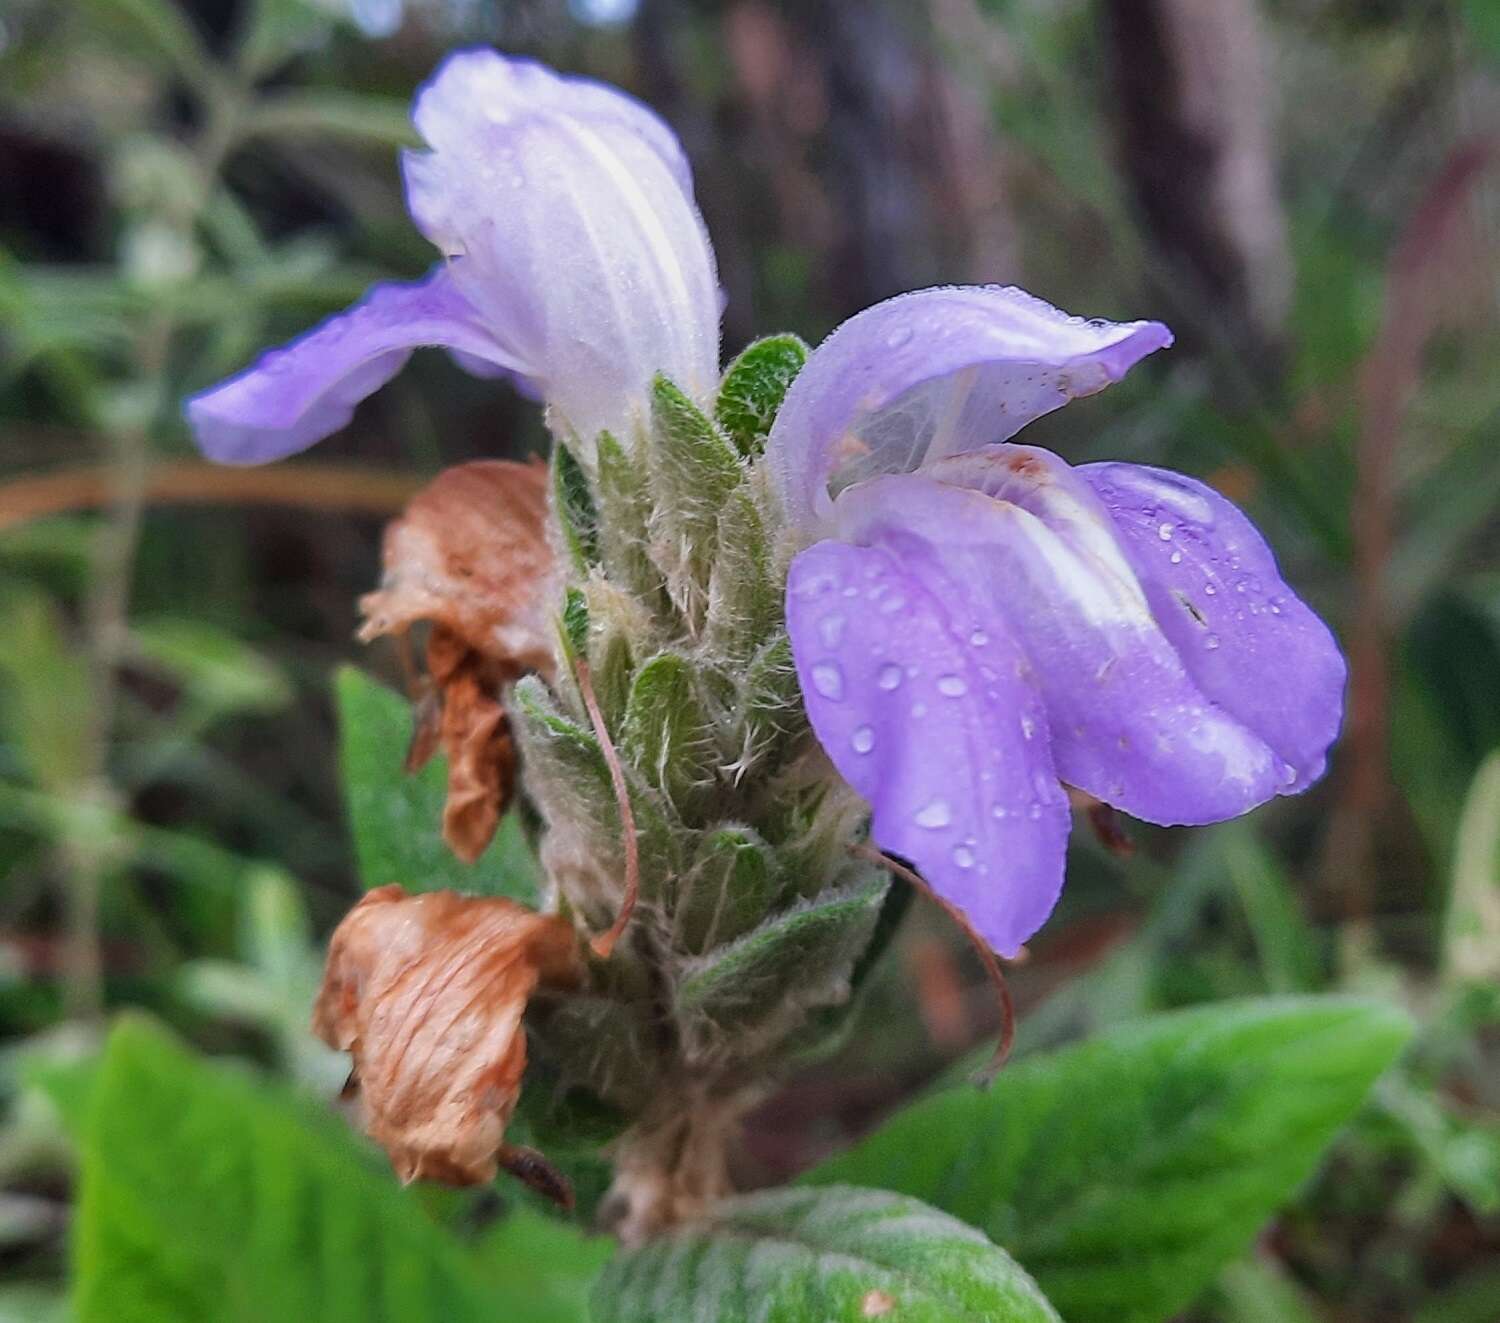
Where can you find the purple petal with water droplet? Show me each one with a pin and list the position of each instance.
(921, 706)
(1126, 722)
(294, 396)
(934, 373)
(1249, 642)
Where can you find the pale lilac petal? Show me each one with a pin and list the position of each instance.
(1127, 723)
(503, 89)
(934, 373)
(1247, 640)
(922, 707)
(571, 205)
(296, 395)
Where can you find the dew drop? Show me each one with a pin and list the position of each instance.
(1176, 558)
(937, 814)
(1028, 728)
(952, 686)
(998, 811)
(978, 638)
(1165, 532)
(900, 336)
(863, 739)
(1211, 641)
(890, 605)
(1035, 812)
(828, 680)
(963, 856)
(889, 677)
(831, 630)
(1209, 589)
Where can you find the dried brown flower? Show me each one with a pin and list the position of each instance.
(470, 557)
(427, 993)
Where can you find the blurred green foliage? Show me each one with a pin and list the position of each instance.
(186, 183)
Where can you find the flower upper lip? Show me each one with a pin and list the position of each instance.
(575, 262)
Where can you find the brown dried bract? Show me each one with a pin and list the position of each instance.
(470, 557)
(427, 993)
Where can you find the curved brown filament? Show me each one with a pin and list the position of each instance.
(987, 957)
(604, 943)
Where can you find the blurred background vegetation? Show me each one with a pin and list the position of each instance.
(1307, 190)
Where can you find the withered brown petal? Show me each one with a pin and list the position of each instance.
(426, 993)
(471, 553)
(470, 557)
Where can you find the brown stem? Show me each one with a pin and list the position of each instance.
(303, 486)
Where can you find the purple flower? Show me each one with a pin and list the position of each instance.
(575, 262)
(976, 623)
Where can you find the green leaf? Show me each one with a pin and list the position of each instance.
(161, 32)
(752, 991)
(1127, 1171)
(568, 777)
(693, 469)
(1471, 941)
(667, 733)
(745, 591)
(204, 1194)
(813, 1256)
(46, 691)
(381, 121)
(624, 505)
(574, 503)
(732, 884)
(753, 388)
(575, 624)
(558, 1264)
(220, 674)
(396, 817)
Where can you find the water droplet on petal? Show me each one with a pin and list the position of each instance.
(1211, 641)
(1209, 589)
(1035, 812)
(1165, 532)
(831, 630)
(937, 814)
(889, 677)
(963, 856)
(952, 686)
(979, 638)
(1028, 728)
(828, 680)
(900, 336)
(1176, 558)
(998, 811)
(863, 739)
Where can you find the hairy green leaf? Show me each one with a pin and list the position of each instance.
(574, 504)
(396, 817)
(693, 469)
(744, 589)
(752, 991)
(753, 388)
(1127, 1171)
(624, 506)
(730, 886)
(667, 732)
(810, 1256)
